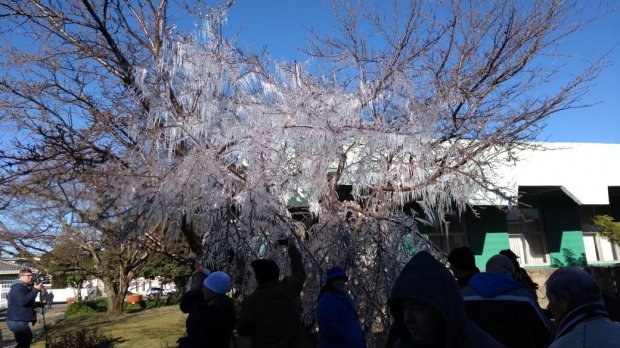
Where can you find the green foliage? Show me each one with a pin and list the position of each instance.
(174, 299)
(134, 307)
(610, 229)
(79, 339)
(570, 260)
(78, 308)
(150, 304)
(68, 264)
(156, 303)
(167, 269)
(84, 307)
(163, 301)
(100, 305)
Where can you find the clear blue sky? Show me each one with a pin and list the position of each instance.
(280, 26)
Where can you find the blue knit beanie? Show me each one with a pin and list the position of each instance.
(335, 273)
(218, 282)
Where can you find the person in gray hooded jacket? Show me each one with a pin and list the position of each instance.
(428, 309)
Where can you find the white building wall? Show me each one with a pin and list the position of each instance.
(583, 170)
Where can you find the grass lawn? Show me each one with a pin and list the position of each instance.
(158, 327)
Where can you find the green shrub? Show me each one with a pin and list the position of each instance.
(83, 307)
(79, 339)
(78, 308)
(99, 304)
(134, 307)
(174, 299)
(162, 302)
(150, 304)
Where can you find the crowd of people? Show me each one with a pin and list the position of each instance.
(432, 306)
(497, 307)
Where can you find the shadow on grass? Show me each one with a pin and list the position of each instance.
(81, 339)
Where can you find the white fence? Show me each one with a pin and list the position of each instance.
(60, 295)
(139, 286)
(5, 286)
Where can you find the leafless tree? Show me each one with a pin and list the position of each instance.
(121, 119)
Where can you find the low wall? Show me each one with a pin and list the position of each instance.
(608, 278)
(539, 276)
(61, 295)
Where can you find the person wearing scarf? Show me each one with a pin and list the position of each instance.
(576, 302)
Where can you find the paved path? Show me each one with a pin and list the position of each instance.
(58, 309)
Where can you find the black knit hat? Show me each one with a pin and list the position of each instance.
(265, 270)
(462, 258)
(510, 254)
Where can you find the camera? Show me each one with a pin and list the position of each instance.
(36, 280)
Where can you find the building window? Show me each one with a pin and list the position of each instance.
(526, 237)
(448, 234)
(599, 249)
(447, 242)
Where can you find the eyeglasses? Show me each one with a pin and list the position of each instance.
(25, 275)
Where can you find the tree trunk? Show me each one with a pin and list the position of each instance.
(115, 290)
(115, 303)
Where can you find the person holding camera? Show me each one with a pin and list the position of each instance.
(271, 315)
(21, 307)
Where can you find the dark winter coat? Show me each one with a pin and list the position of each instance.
(507, 311)
(339, 325)
(426, 280)
(524, 279)
(210, 322)
(464, 280)
(21, 302)
(271, 315)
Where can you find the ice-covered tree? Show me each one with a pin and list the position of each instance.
(410, 106)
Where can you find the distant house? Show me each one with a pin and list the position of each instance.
(9, 271)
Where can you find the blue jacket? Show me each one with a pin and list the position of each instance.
(21, 302)
(507, 311)
(339, 325)
(494, 284)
